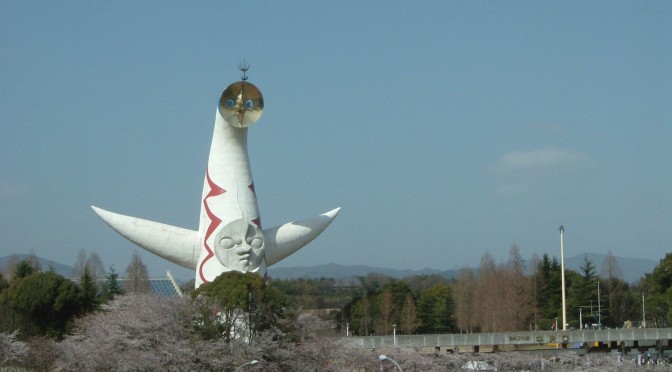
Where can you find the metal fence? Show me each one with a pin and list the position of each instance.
(515, 338)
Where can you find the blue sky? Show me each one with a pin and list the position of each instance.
(444, 130)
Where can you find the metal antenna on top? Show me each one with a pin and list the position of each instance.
(244, 66)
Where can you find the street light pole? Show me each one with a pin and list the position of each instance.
(562, 260)
(580, 318)
(384, 357)
(250, 363)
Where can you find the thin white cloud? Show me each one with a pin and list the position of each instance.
(540, 160)
(521, 171)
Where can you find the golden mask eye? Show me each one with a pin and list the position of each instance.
(241, 104)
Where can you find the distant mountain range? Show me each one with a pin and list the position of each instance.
(633, 268)
(337, 271)
(59, 268)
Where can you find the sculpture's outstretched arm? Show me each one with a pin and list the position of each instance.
(175, 244)
(286, 239)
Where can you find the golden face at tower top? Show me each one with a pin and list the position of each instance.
(241, 104)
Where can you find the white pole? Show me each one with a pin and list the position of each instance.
(643, 313)
(599, 308)
(580, 318)
(562, 260)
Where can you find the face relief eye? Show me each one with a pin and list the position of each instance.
(256, 243)
(227, 243)
(230, 103)
(249, 104)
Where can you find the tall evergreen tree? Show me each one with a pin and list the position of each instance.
(88, 293)
(658, 288)
(583, 293)
(552, 271)
(39, 304)
(3, 283)
(23, 269)
(111, 287)
(436, 310)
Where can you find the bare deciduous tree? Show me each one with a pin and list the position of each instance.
(385, 310)
(611, 268)
(488, 294)
(10, 268)
(408, 320)
(80, 264)
(33, 261)
(619, 302)
(95, 266)
(136, 279)
(91, 262)
(536, 284)
(515, 294)
(465, 292)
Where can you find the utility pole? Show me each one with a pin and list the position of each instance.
(562, 260)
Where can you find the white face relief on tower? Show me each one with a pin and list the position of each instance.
(239, 246)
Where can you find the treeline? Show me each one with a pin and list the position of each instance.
(514, 295)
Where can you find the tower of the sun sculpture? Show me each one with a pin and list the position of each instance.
(229, 236)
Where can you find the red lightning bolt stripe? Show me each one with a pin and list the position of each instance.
(215, 190)
(256, 221)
